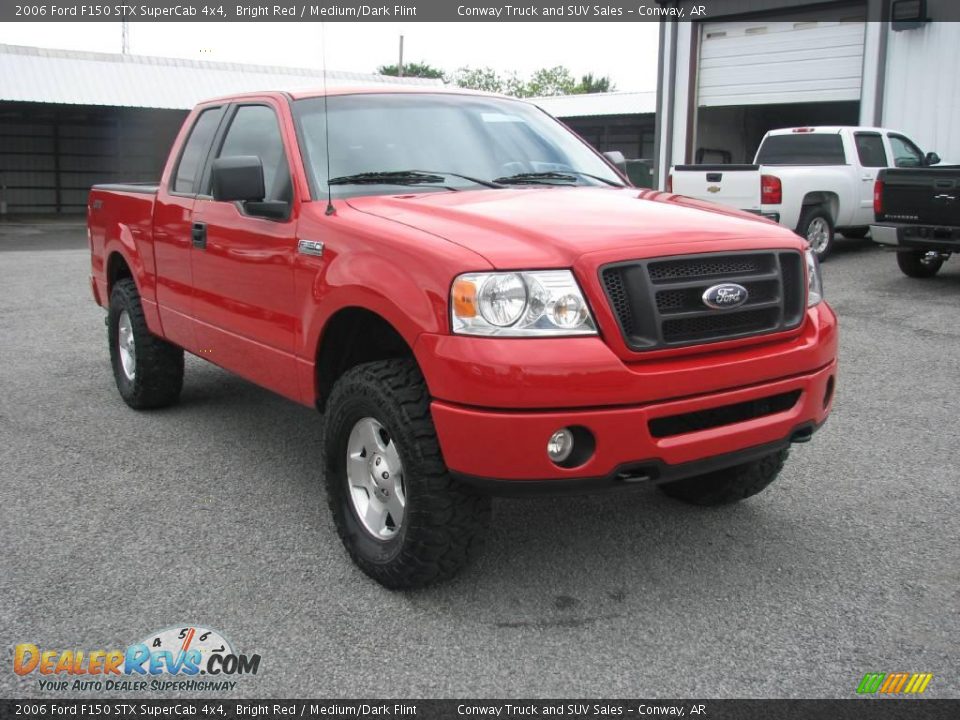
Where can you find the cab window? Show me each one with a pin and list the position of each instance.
(870, 150)
(254, 130)
(186, 180)
(905, 153)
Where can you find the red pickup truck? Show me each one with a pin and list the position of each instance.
(478, 302)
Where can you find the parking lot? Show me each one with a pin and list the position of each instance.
(119, 523)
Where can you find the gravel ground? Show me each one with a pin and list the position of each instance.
(118, 523)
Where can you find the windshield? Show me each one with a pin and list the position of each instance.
(455, 142)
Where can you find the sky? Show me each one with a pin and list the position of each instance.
(627, 52)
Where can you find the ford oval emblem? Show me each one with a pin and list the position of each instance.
(725, 296)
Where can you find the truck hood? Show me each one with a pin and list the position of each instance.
(553, 226)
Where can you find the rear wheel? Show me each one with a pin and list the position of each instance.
(401, 517)
(919, 263)
(731, 485)
(148, 370)
(816, 226)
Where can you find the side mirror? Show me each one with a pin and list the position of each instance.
(931, 158)
(617, 158)
(238, 178)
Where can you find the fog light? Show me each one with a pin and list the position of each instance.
(560, 445)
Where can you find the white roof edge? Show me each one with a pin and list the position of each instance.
(163, 61)
(76, 77)
(593, 104)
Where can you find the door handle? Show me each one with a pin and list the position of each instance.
(199, 234)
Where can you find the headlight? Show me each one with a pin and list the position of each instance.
(520, 304)
(814, 283)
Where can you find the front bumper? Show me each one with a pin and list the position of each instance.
(485, 446)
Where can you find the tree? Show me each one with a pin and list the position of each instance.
(415, 69)
(590, 84)
(544, 82)
(485, 78)
(550, 81)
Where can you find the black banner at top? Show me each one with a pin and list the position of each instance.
(460, 10)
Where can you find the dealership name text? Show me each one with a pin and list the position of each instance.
(296, 10)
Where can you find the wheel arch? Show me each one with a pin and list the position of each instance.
(826, 199)
(351, 336)
(117, 269)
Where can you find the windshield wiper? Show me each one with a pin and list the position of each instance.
(399, 177)
(406, 177)
(548, 178)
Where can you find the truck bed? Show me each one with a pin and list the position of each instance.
(148, 188)
(920, 196)
(120, 215)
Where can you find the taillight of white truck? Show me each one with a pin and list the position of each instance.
(771, 190)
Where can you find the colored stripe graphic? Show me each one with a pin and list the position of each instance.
(870, 683)
(894, 683)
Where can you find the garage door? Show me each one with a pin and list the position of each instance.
(761, 63)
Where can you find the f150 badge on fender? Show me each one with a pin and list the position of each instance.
(725, 296)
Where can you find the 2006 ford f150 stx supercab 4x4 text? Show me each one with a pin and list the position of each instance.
(476, 300)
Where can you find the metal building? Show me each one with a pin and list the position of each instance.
(71, 119)
(621, 121)
(768, 64)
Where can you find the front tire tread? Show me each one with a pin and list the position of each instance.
(444, 530)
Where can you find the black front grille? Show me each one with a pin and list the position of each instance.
(706, 267)
(720, 416)
(659, 302)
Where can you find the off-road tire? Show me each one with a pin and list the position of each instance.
(723, 487)
(807, 217)
(158, 378)
(444, 523)
(912, 264)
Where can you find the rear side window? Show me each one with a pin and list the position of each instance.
(802, 149)
(255, 131)
(187, 178)
(870, 150)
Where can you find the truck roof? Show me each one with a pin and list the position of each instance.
(825, 129)
(356, 90)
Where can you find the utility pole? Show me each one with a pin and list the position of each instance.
(125, 37)
(400, 64)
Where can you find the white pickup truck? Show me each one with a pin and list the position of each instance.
(814, 180)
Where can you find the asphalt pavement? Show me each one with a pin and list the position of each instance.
(118, 523)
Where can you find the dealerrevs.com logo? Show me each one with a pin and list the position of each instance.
(177, 658)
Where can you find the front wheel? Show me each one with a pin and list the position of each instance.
(401, 517)
(816, 226)
(730, 485)
(919, 263)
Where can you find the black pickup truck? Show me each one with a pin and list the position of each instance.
(917, 211)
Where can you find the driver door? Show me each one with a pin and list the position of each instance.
(244, 300)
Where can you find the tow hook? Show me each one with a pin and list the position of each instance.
(801, 436)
